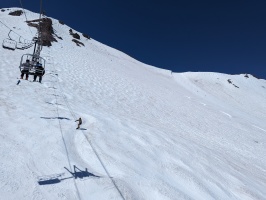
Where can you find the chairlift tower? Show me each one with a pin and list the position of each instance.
(38, 41)
(35, 58)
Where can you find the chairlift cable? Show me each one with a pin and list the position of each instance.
(13, 31)
(40, 8)
(92, 146)
(62, 135)
(39, 42)
(68, 159)
(5, 25)
(25, 15)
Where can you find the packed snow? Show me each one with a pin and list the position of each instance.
(147, 133)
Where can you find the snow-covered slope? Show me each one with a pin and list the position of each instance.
(147, 133)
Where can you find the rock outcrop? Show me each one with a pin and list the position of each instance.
(86, 36)
(16, 13)
(78, 43)
(46, 29)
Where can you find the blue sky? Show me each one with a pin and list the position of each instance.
(188, 35)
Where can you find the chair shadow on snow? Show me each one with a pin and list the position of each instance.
(78, 173)
(55, 118)
(57, 178)
(48, 180)
(8, 48)
(54, 103)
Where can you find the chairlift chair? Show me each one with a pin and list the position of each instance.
(34, 60)
(20, 45)
(24, 45)
(29, 44)
(8, 43)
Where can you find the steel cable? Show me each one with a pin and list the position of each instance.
(25, 15)
(62, 135)
(93, 148)
(13, 31)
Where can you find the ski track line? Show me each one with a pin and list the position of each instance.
(230, 116)
(259, 128)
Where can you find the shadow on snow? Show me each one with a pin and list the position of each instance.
(57, 178)
(55, 118)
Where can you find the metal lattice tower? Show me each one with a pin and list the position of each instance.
(39, 42)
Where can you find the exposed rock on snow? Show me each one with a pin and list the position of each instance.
(46, 29)
(74, 35)
(78, 43)
(61, 22)
(86, 36)
(16, 13)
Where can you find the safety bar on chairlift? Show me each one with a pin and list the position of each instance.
(9, 35)
(33, 56)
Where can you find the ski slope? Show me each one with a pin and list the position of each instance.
(147, 133)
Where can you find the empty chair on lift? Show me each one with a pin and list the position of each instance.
(8, 43)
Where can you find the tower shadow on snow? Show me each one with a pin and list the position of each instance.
(57, 178)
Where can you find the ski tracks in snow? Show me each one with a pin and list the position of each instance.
(228, 115)
(75, 145)
(259, 128)
(204, 104)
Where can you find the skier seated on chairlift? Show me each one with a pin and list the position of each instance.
(25, 69)
(39, 72)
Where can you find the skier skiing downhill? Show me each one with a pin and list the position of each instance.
(79, 122)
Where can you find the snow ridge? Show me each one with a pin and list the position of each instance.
(158, 134)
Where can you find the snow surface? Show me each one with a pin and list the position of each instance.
(147, 133)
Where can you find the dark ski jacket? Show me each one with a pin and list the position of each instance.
(79, 120)
(40, 71)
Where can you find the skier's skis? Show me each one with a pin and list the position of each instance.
(19, 80)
